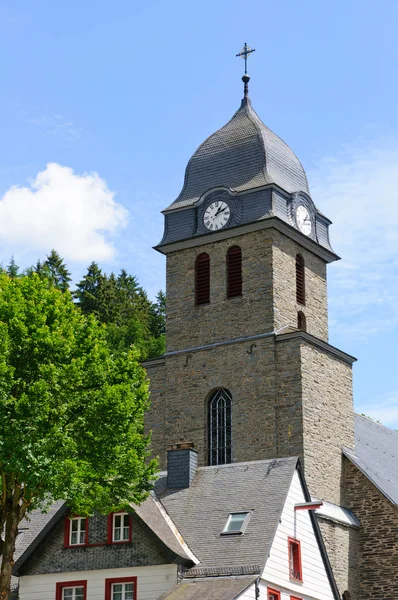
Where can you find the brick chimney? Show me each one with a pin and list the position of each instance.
(182, 464)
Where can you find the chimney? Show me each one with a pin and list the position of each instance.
(182, 464)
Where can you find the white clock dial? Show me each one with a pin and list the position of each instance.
(303, 220)
(216, 215)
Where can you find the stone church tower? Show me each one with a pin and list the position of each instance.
(248, 372)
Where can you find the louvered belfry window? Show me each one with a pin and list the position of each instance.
(220, 427)
(234, 272)
(202, 279)
(300, 279)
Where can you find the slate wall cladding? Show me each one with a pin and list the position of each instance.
(341, 545)
(377, 543)
(52, 557)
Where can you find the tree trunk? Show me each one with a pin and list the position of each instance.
(11, 532)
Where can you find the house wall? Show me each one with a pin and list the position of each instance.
(152, 582)
(52, 556)
(297, 524)
(378, 536)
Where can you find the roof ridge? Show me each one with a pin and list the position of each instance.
(371, 420)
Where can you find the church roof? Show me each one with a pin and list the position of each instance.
(376, 455)
(242, 155)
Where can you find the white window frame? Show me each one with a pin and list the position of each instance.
(74, 588)
(79, 531)
(125, 524)
(123, 584)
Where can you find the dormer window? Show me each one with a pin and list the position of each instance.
(236, 523)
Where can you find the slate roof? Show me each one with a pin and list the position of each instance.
(219, 589)
(242, 155)
(376, 455)
(153, 515)
(200, 512)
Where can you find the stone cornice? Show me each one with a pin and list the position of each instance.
(270, 222)
(318, 343)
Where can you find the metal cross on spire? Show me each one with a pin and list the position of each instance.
(244, 53)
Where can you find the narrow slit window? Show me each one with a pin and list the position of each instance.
(236, 523)
(220, 427)
(301, 321)
(295, 560)
(234, 272)
(202, 279)
(300, 279)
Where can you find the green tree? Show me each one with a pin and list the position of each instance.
(54, 269)
(12, 269)
(59, 380)
(123, 305)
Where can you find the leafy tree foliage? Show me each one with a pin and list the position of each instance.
(75, 407)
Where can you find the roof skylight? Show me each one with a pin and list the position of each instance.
(236, 523)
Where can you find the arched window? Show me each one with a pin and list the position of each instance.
(300, 279)
(202, 279)
(220, 427)
(234, 272)
(301, 321)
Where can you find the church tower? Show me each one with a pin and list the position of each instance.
(248, 373)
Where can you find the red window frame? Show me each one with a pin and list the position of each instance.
(110, 529)
(273, 594)
(296, 568)
(67, 543)
(64, 584)
(110, 581)
(295, 598)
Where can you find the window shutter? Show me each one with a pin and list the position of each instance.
(300, 280)
(202, 279)
(234, 272)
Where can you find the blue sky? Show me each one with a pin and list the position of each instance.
(103, 103)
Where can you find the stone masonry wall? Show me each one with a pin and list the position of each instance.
(378, 536)
(247, 371)
(188, 325)
(268, 301)
(52, 557)
(328, 420)
(342, 546)
(284, 253)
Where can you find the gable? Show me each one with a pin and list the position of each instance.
(51, 556)
(297, 524)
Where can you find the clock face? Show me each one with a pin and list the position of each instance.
(216, 215)
(303, 220)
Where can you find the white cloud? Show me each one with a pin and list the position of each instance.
(358, 190)
(75, 214)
